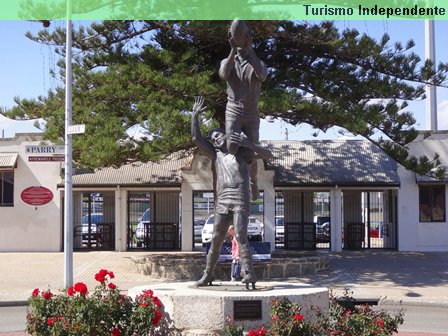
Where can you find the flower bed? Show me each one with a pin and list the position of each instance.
(104, 312)
(345, 319)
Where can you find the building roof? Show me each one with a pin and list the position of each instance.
(429, 144)
(165, 172)
(305, 163)
(8, 160)
(331, 162)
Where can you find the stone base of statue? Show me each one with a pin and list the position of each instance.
(201, 311)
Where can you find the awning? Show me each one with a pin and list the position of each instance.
(8, 160)
(422, 179)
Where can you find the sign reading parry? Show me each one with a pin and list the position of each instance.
(38, 149)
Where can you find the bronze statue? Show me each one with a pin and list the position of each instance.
(244, 72)
(232, 204)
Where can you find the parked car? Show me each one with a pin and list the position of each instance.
(376, 229)
(279, 229)
(198, 226)
(90, 227)
(254, 229)
(142, 226)
(322, 229)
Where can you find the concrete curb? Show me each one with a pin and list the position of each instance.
(13, 303)
(404, 302)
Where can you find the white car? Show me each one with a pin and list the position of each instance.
(142, 226)
(279, 229)
(254, 229)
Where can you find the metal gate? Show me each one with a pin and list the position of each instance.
(369, 220)
(153, 221)
(294, 215)
(94, 221)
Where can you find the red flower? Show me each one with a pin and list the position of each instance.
(274, 317)
(157, 301)
(155, 321)
(47, 295)
(258, 332)
(35, 292)
(298, 317)
(380, 323)
(112, 286)
(81, 288)
(116, 332)
(70, 291)
(147, 293)
(99, 278)
(101, 275)
(51, 321)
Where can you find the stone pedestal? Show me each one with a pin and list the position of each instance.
(203, 311)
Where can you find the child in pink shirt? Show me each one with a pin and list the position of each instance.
(236, 266)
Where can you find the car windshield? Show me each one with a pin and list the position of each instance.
(146, 216)
(210, 220)
(93, 218)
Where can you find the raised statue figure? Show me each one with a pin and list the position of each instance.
(232, 191)
(244, 73)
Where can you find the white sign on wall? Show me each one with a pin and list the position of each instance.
(38, 149)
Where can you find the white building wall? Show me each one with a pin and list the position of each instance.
(23, 227)
(414, 235)
(199, 177)
(266, 183)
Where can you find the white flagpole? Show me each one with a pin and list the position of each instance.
(68, 201)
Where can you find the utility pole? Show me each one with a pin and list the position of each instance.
(431, 90)
(68, 194)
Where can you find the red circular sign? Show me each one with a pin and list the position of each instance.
(36, 195)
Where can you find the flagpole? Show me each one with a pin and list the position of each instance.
(68, 194)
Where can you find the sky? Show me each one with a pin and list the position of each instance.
(25, 66)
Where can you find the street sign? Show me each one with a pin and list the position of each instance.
(43, 149)
(76, 129)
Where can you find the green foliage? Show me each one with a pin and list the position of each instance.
(348, 319)
(147, 73)
(104, 312)
(344, 318)
(233, 329)
(287, 320)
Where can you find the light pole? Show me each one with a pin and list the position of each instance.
(68, 194)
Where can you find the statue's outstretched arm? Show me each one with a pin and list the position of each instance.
(243, 141)
(196, 135)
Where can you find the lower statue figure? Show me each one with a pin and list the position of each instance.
(232, 204)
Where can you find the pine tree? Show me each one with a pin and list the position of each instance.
(148, 73)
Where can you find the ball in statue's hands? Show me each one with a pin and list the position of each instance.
(239, 32)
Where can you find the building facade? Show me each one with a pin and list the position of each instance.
(30, 205)
(335, 195)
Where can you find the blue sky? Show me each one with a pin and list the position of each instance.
(24, 68)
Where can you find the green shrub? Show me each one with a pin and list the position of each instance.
(345, 318)
(103, 312)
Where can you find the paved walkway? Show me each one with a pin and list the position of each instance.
(394, 277)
